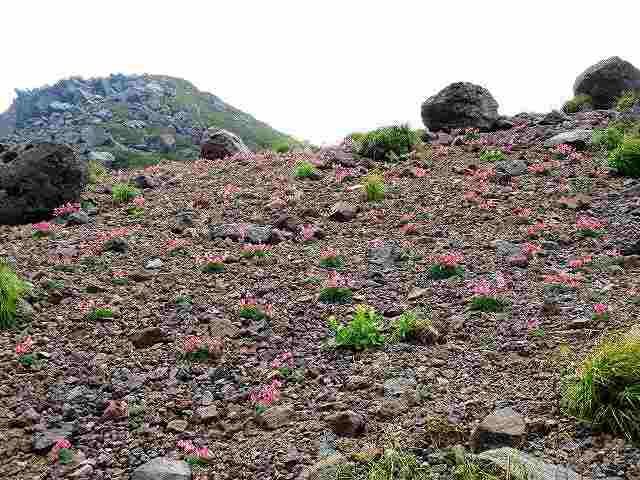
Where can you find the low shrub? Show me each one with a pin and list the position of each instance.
(492, 156)
(610, 137)
(576, 103)
(361, 332)
(627, 100)
(281, 147)
(374, 187)
(626, 157)
(411, 325)
(605, 388)
(380, 143)
(305, 169)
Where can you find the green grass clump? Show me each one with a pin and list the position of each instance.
(492, 156)
(363, 331)
(627, 100)
(626, 158)
(610, 137)
(97, 171)
(486, 304)
(123, 192)
(339, 295)
(379, 144)
(574, 105)
(305, 169)
(11, 289)
(100, 313)
(374, 187)
(392, 465)
(605, 389)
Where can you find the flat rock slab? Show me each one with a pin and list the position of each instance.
(162, 468)
(504, 427)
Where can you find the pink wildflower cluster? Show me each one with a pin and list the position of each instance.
(119, 275)
(209, 259)
(194, 343)
(531, 248)
(420, 172)
(283, 360)
(45, 228)
(152, 169)
(66, 209)
(230, 190)
(485, 289)
(308, 231)
(566, 151)
(189, 448)
(24, 346)
(563, 278)
(329, 253)
(522, 212)
(269, 394)
(252, 250)
(376, 243)
(335, 280)
(539, 228)
(87, 306)
(250, 303)
(600, 308)
(479, 182)
(449, 260)
(579, 262)
(442, 151)
(588, 223)
(175, 244)
(59, 445)
(138, 201)
(342, 173)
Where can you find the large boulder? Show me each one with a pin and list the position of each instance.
(218, 143)
(460, 105)
(606, 81)
(36, 178)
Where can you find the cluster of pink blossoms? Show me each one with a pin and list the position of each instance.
(563, 278)
(66, 209)
(24, 346)
(189, 448)
(96, 247)
(335, 280)
(342, 173)
(449, 260)
(175, 244)
(329, 253)
(567, 152)
(484, 289)
(269, 394)
(59, 445)
(251, 250)
(600, 308)
(307, 231)
(588, 223)
(579, 262)
(45, 228)
(283, 360)
(194, 343)
(210, 259)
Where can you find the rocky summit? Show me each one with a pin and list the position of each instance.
(456, 302)
(122, 120)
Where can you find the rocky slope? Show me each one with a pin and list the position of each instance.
(137, 118)
(497, 370)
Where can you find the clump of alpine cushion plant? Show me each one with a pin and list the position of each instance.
(250, 309)
(605, 388)
(43, 229)
(211, 263)
(626, 157)
(600, 312)
(95, 311)
(199, 349)
(388, 142)
(195, 456)
(119, 278)
(176, 246)
(492, 156)
(11, 290)
(485, 298)
(136, 209)
(23, 350)
(331, 258)
(447, 265)
(589, 227)
(123, 192)
(258, 250)
(335, 290)
(61, 451)
(361, 332)
(265, 397)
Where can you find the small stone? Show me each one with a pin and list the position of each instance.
(504, 427)
(177, 425)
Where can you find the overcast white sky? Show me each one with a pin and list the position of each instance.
(319, 70)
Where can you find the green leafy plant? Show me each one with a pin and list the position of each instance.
(626, 157)
(605, 388)
(374, 187)
(411, 325)
(11, 290)
(609, 138)
(281, 147)
(123, 192)
(492, 156)
(379, 143)
(485, 303)
(184, 300)
(363, 331)
(574, 105)
(305, 169)
(627, 100)
(65, 456)
(100, 313)
(335, 291)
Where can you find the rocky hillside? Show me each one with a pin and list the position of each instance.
(138, 118)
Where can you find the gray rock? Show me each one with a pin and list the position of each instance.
(578, 137)
(347, 423)
(78, 218)
(61, 106)
(153, 264)
(234, 231)
(504, 427)
(607, 80)
(537, 469)
(511, 167)
(95, 136)
(218, 143)
(163, 468)
(165, 142)
(460, 105)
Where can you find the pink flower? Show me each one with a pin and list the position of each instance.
(533, 323)
(119, 274)
(308, 231)
(600, 308)
(420, 172)
(59, 445)
(285, 358)
(588, 223)
(25, 346)
(66, 209)
(192, 344)
(450, 259)
(531, 248)
(42, 227)
(138, 201)
(376, 243)
(483, 289)
(470, 196)
(187, 446)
